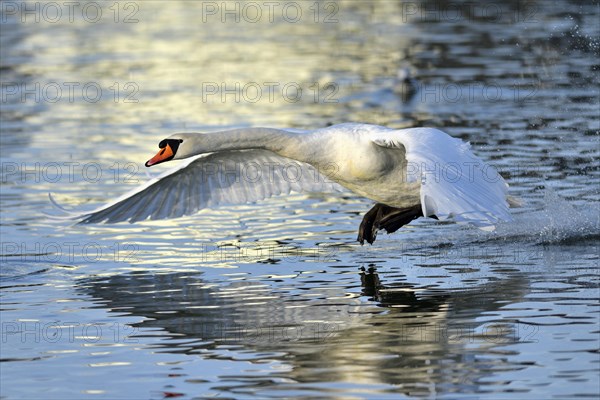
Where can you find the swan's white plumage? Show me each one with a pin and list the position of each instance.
(373, 161)
(454, 182)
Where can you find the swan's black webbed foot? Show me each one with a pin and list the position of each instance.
(367, 229)
(385, 217)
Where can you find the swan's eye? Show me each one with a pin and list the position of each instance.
(180, 140)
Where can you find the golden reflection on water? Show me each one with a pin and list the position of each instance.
(210, 73)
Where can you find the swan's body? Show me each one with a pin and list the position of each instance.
(409, 172)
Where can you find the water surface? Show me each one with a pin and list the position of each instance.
(277, 299)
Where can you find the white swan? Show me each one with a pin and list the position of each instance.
(409, 173)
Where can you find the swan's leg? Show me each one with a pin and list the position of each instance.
(385, 217)
(367, 230)
(396, 218)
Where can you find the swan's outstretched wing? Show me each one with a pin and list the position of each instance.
(231, 177)
(454, 182)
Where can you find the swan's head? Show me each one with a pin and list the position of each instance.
(175, 147)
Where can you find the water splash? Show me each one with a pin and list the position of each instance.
(558, 221)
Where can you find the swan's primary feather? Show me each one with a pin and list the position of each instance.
(230, 177)
(454, 182)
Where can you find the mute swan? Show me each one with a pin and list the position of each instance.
(409, 173)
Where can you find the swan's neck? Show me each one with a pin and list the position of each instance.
(278, 141)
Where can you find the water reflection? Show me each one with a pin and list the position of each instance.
(420, 341)
(519, 80)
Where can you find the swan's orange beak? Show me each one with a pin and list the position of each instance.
(165, 154)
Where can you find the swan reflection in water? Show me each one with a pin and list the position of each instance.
(414, 339)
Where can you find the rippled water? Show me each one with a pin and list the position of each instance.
(277, 299)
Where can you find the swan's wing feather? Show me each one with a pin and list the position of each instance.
(232, 177)
(454, 182)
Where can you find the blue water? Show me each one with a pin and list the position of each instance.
(276, 299)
